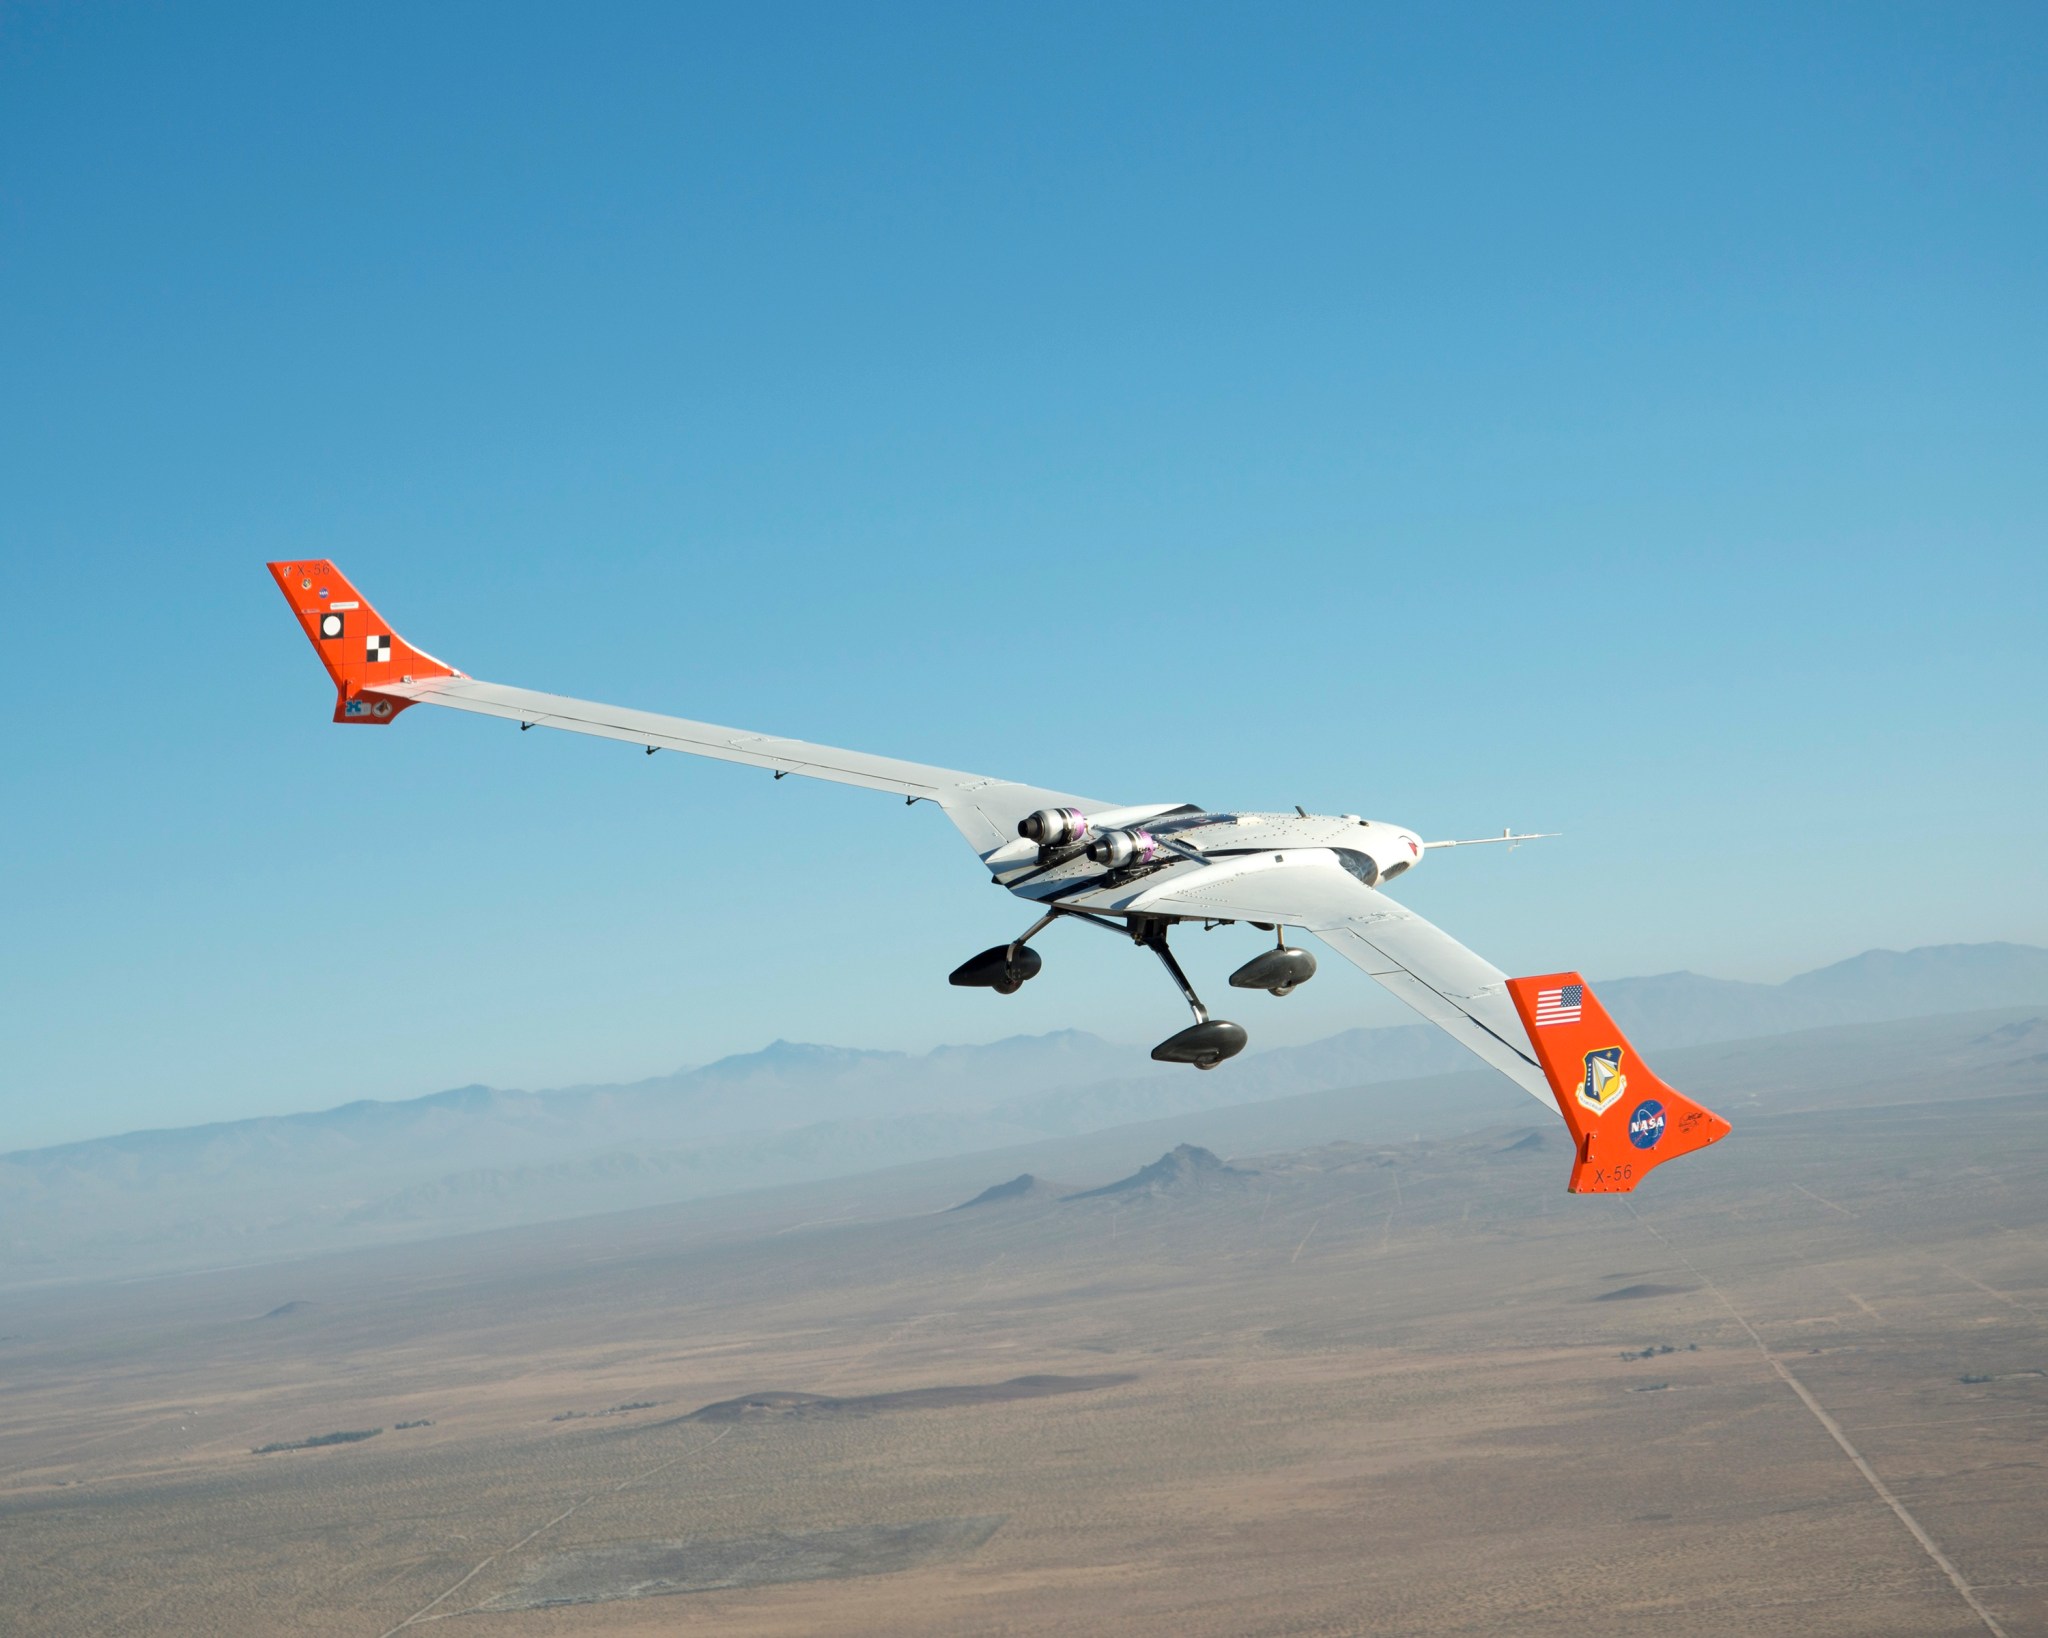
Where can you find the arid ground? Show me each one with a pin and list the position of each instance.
(1798, 1384)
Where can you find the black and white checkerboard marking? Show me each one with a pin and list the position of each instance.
(330, 625)
(376, 649)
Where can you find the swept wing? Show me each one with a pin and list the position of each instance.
(378, 674)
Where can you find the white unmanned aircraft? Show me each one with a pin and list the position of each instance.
(1137, 870)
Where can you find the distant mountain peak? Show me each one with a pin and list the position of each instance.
(1024, 1186)
(1684, 1009)
(1181, 1170)
(779, 1051)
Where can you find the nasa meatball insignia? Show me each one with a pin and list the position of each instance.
(1646, 1124)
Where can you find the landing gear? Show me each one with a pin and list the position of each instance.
(1277, 971)
(997, 969)
(1006, 968)
(1207, 1041)
(1205, 1045)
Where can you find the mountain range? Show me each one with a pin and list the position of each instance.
(480, 1154)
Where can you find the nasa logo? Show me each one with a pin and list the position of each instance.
(1646, 1124)
(1604, 1082)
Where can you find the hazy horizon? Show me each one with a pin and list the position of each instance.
(1965, 1018)
(1385, 1016)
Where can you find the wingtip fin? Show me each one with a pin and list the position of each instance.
(1624, 1120)
(354, 642)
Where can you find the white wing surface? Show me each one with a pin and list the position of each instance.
(1454, 989)
(378, 674)
(986, 811)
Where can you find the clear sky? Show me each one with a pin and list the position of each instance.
(1627, 421)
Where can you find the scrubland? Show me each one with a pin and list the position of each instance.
(1377, 1389)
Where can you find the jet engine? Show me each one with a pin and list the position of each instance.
(1117, 848)
(1054, 827)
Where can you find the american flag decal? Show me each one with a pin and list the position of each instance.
(1561, 1006)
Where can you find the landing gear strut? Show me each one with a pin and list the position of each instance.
(1207, 1041)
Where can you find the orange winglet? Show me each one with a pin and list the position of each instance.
(354, 641)
(1623, 1119)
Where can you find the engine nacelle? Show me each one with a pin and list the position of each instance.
(1054, 827)
(1116, 849)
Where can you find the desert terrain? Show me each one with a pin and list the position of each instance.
(1796, 1384)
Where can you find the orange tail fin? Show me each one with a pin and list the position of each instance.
(1623, 1119)
(354, 641)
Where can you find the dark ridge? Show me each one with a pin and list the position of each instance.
(755, 1407)
(1175, 1172)
(1021, 1187)
(1533, 1140)
(285, 1310)
(1629, 1292)
(318, 1440)
(2021, 1032)
(610, 1410)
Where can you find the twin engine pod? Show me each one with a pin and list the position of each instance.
(996, 969)
(1103, 835)
(1275, 971)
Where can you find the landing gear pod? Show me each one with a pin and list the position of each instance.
(1205, 1045)
(997, 969)
(1277, 972)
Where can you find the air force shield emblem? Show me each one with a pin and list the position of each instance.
(1604, 1081)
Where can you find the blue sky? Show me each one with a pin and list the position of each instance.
(1624, 421)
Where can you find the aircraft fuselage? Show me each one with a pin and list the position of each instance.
(1123, 859)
